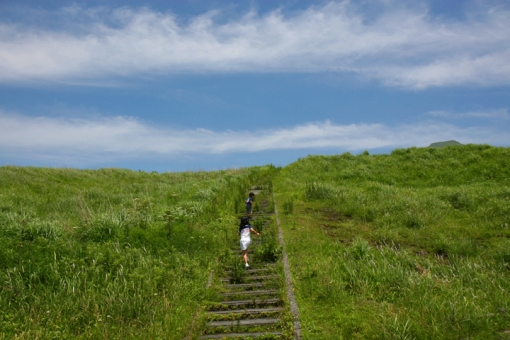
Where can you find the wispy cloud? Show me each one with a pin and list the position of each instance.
(498, 114)
(404, 47)
(122, 137)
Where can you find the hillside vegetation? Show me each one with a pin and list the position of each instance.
(111, 253)
(412, 245)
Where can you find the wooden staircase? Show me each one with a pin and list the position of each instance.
(251, 308)
(252, 303)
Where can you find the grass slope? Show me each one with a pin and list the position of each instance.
(111, 253)
(412, 245)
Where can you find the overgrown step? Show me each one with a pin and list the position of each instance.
(239, 335)
(251, 271)
(254, 307)
(257, 213)
(251, 302)
(252, 278)
(247, 322)
(251, 286)
(239, 251)
(251, 292)
(245, 286)
(249, 311)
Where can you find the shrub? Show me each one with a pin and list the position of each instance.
(459, 200)
(288, 206)
(318, 191)
(413, 219)
(360, 249)
(269, 250)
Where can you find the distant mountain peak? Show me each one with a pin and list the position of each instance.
(443, 144)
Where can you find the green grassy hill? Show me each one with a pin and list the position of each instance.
(111, 253)
(410, 245)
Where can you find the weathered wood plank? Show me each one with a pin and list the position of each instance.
(238, 335)
(253, 278)
(251, 302)
(247, 322)
(249, 311)
(252, 292)
(244, 285)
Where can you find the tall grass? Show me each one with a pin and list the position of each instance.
(412, 245)
(110, 253)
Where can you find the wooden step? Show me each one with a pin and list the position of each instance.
(247, 322)
(244, 285)
(252, 278)
(254, 270)
(251, 292)
(249, 311)
(238, 335)
(238, 303)
(239, 252)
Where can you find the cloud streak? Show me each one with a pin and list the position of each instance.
(498, 115)
(122, 137)
(403, 47)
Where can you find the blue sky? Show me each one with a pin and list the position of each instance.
(205, 85)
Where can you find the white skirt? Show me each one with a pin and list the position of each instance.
(245, 242)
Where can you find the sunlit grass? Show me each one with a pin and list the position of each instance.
(111, 253)
(412, 245)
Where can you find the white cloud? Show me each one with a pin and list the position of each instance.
(122, 137)
(499, 114)
(401, 47)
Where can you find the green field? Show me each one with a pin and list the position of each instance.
(111, 253)
(410, 245)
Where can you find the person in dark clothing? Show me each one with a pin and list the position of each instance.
(249, 204)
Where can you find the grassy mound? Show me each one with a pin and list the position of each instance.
(110, 253)
(415, 244)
